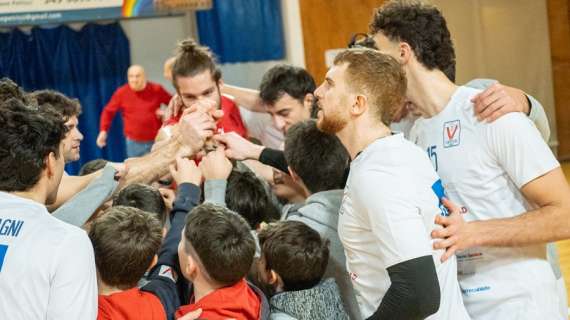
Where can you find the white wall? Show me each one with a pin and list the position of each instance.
(153, 40)
(504, 40)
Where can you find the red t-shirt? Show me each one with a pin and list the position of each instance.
(236, 302)
(129, 305)
(139, 111)
(230, 122)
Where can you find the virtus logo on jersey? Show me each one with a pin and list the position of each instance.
(451, 134)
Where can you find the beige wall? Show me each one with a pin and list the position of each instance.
(506, 40)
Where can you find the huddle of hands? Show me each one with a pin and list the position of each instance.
(198, 125)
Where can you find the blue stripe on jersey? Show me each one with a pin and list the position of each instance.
(3, 249)
(437, 188)
(439, 191)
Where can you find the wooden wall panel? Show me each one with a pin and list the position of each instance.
(329, 24)
(559, 29)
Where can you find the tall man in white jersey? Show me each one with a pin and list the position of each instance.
(515, 195)
(391, 197)
(47, 267)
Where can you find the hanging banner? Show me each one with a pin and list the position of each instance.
(33, 12)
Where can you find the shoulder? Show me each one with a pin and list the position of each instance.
(480, 83)
(123, 89)
(228, 103)
(64, 230)
(103, 308)
(385, 158)
(468, 91)
(72, 238)
(155, 86)
(513, 130)
(462, 98)
(514, 123)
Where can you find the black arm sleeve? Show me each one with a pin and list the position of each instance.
(274, 158)
(165, 278)
(414, 292)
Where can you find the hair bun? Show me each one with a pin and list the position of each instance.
(188, 46)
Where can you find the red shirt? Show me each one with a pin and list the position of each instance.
(130, 304)
(238, 302)
(230, 122)
(139, 111)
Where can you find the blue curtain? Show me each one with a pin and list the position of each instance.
(243, 30)
(89, 64)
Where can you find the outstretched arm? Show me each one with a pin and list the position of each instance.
(247, 98)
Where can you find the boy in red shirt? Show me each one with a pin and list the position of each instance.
(126, 241)
(216, 253)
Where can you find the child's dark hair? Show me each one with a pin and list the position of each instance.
(143, 197)
(92, 166)
(246, 195)
(221, 240)
(296, 252)
(318, 158)
(125, 241)
(58, 102)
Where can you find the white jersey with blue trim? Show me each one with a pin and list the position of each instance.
(483, 166)
(387, 214)
(47, 267)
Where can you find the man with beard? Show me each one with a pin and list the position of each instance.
(197, 80)
(391, 198)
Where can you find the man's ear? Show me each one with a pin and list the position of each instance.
(293, 174)
(153, 262)
(273, 278)
(308, 100)
(406, 53)
(51, 164)
(359, 106)
(221, 84)
(191, 267)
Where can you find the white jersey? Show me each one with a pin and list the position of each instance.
(387, 214)
(47, 268)
(260, 126)
(483, 166)
(404, 126)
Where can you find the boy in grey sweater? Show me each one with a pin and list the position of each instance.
(292, 264)
(318, 162)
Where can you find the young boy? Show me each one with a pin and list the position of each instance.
(317, 161)
(143, 197)
(247, 196)
(293, 261)
(126, 241)
(215, 253)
